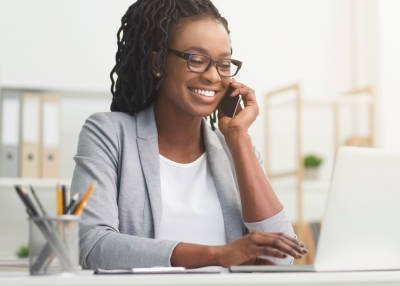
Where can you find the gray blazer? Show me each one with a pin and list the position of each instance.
(122, 217)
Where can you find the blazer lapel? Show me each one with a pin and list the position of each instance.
(225, 184)
(147, 142)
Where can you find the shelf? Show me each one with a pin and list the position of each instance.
(63, 93)
(35, 182)
(288, 185)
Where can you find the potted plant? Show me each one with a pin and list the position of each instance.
(311, 163)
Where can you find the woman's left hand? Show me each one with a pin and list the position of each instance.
(245, 116)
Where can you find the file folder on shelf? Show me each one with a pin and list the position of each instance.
(30, 151)
(10, 133)
(50, 136)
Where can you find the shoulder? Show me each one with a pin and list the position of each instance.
(110, 122)
(113, 118)
(122, 126)
(107, 129)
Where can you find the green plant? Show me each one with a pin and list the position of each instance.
(312, 161)
(23, 251)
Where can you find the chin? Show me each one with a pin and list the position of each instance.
(205, 113)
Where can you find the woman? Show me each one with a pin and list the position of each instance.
(172, 191)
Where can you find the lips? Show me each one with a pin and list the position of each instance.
(203, 92)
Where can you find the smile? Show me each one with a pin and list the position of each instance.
(203, 92)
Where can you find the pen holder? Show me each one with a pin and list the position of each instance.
(53, 245)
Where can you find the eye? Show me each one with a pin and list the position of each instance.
(225, 65)
(198, 60)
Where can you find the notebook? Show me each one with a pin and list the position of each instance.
(361, 224)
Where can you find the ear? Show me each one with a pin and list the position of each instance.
(152, 59)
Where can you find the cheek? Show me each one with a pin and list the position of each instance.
(178, 81)
(172, 86)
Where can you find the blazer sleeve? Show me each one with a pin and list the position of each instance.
(100, 242)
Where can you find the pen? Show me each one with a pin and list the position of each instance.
(30, 208)
(37, 200)
(46, 230)
(79, 208)
(72, 203)
(64, 198)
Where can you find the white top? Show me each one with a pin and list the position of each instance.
(191, 211)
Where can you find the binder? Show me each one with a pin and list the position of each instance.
(50, 137)
(30, 151)
(10, 133)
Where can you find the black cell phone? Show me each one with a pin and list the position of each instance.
(229, 104)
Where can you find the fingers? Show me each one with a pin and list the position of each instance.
(278, 245)
(270, 251)
(259, 244)
(246, 113)
(247, 93)
(226, 82)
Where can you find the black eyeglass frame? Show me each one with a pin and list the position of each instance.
(187, 57)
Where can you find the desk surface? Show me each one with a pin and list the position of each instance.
(325, 279)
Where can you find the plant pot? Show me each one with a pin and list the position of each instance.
(311, 173)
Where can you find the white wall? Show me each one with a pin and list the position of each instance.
(62, 44)
(389, 47)
(70, 45)
(282, 42)
(375, 60)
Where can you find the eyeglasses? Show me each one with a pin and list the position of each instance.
(201, 63)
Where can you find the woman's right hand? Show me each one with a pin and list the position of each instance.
(250, 247)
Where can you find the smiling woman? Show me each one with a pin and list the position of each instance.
(171, 190)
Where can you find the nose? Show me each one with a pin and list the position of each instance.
(211, 74)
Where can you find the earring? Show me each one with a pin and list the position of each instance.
(158, 74)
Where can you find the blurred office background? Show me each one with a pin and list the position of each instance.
(321, 50)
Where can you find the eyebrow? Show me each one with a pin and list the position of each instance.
(203, 51)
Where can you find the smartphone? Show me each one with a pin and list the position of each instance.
(229, 104)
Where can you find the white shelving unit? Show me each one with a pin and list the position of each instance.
(75, 107)
(315, 193)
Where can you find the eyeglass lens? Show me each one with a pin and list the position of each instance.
(200, 63)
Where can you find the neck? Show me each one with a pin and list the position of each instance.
(179, 136)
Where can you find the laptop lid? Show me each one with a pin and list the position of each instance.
(361, 224)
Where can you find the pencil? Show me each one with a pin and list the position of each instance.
(79, 208)
(59, 198)
(45, 229)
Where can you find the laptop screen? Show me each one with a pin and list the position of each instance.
(361, 225)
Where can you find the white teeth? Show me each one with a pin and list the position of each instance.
(204, 92)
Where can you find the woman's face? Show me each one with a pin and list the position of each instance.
(185, 92)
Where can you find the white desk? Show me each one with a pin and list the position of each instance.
(281, 279)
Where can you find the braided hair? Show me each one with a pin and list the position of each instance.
(145, 29)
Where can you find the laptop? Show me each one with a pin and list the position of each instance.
(361, 225)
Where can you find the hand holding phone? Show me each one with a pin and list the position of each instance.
(229, 104)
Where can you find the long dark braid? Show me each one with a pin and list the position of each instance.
(213, 119)
(145, 29)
